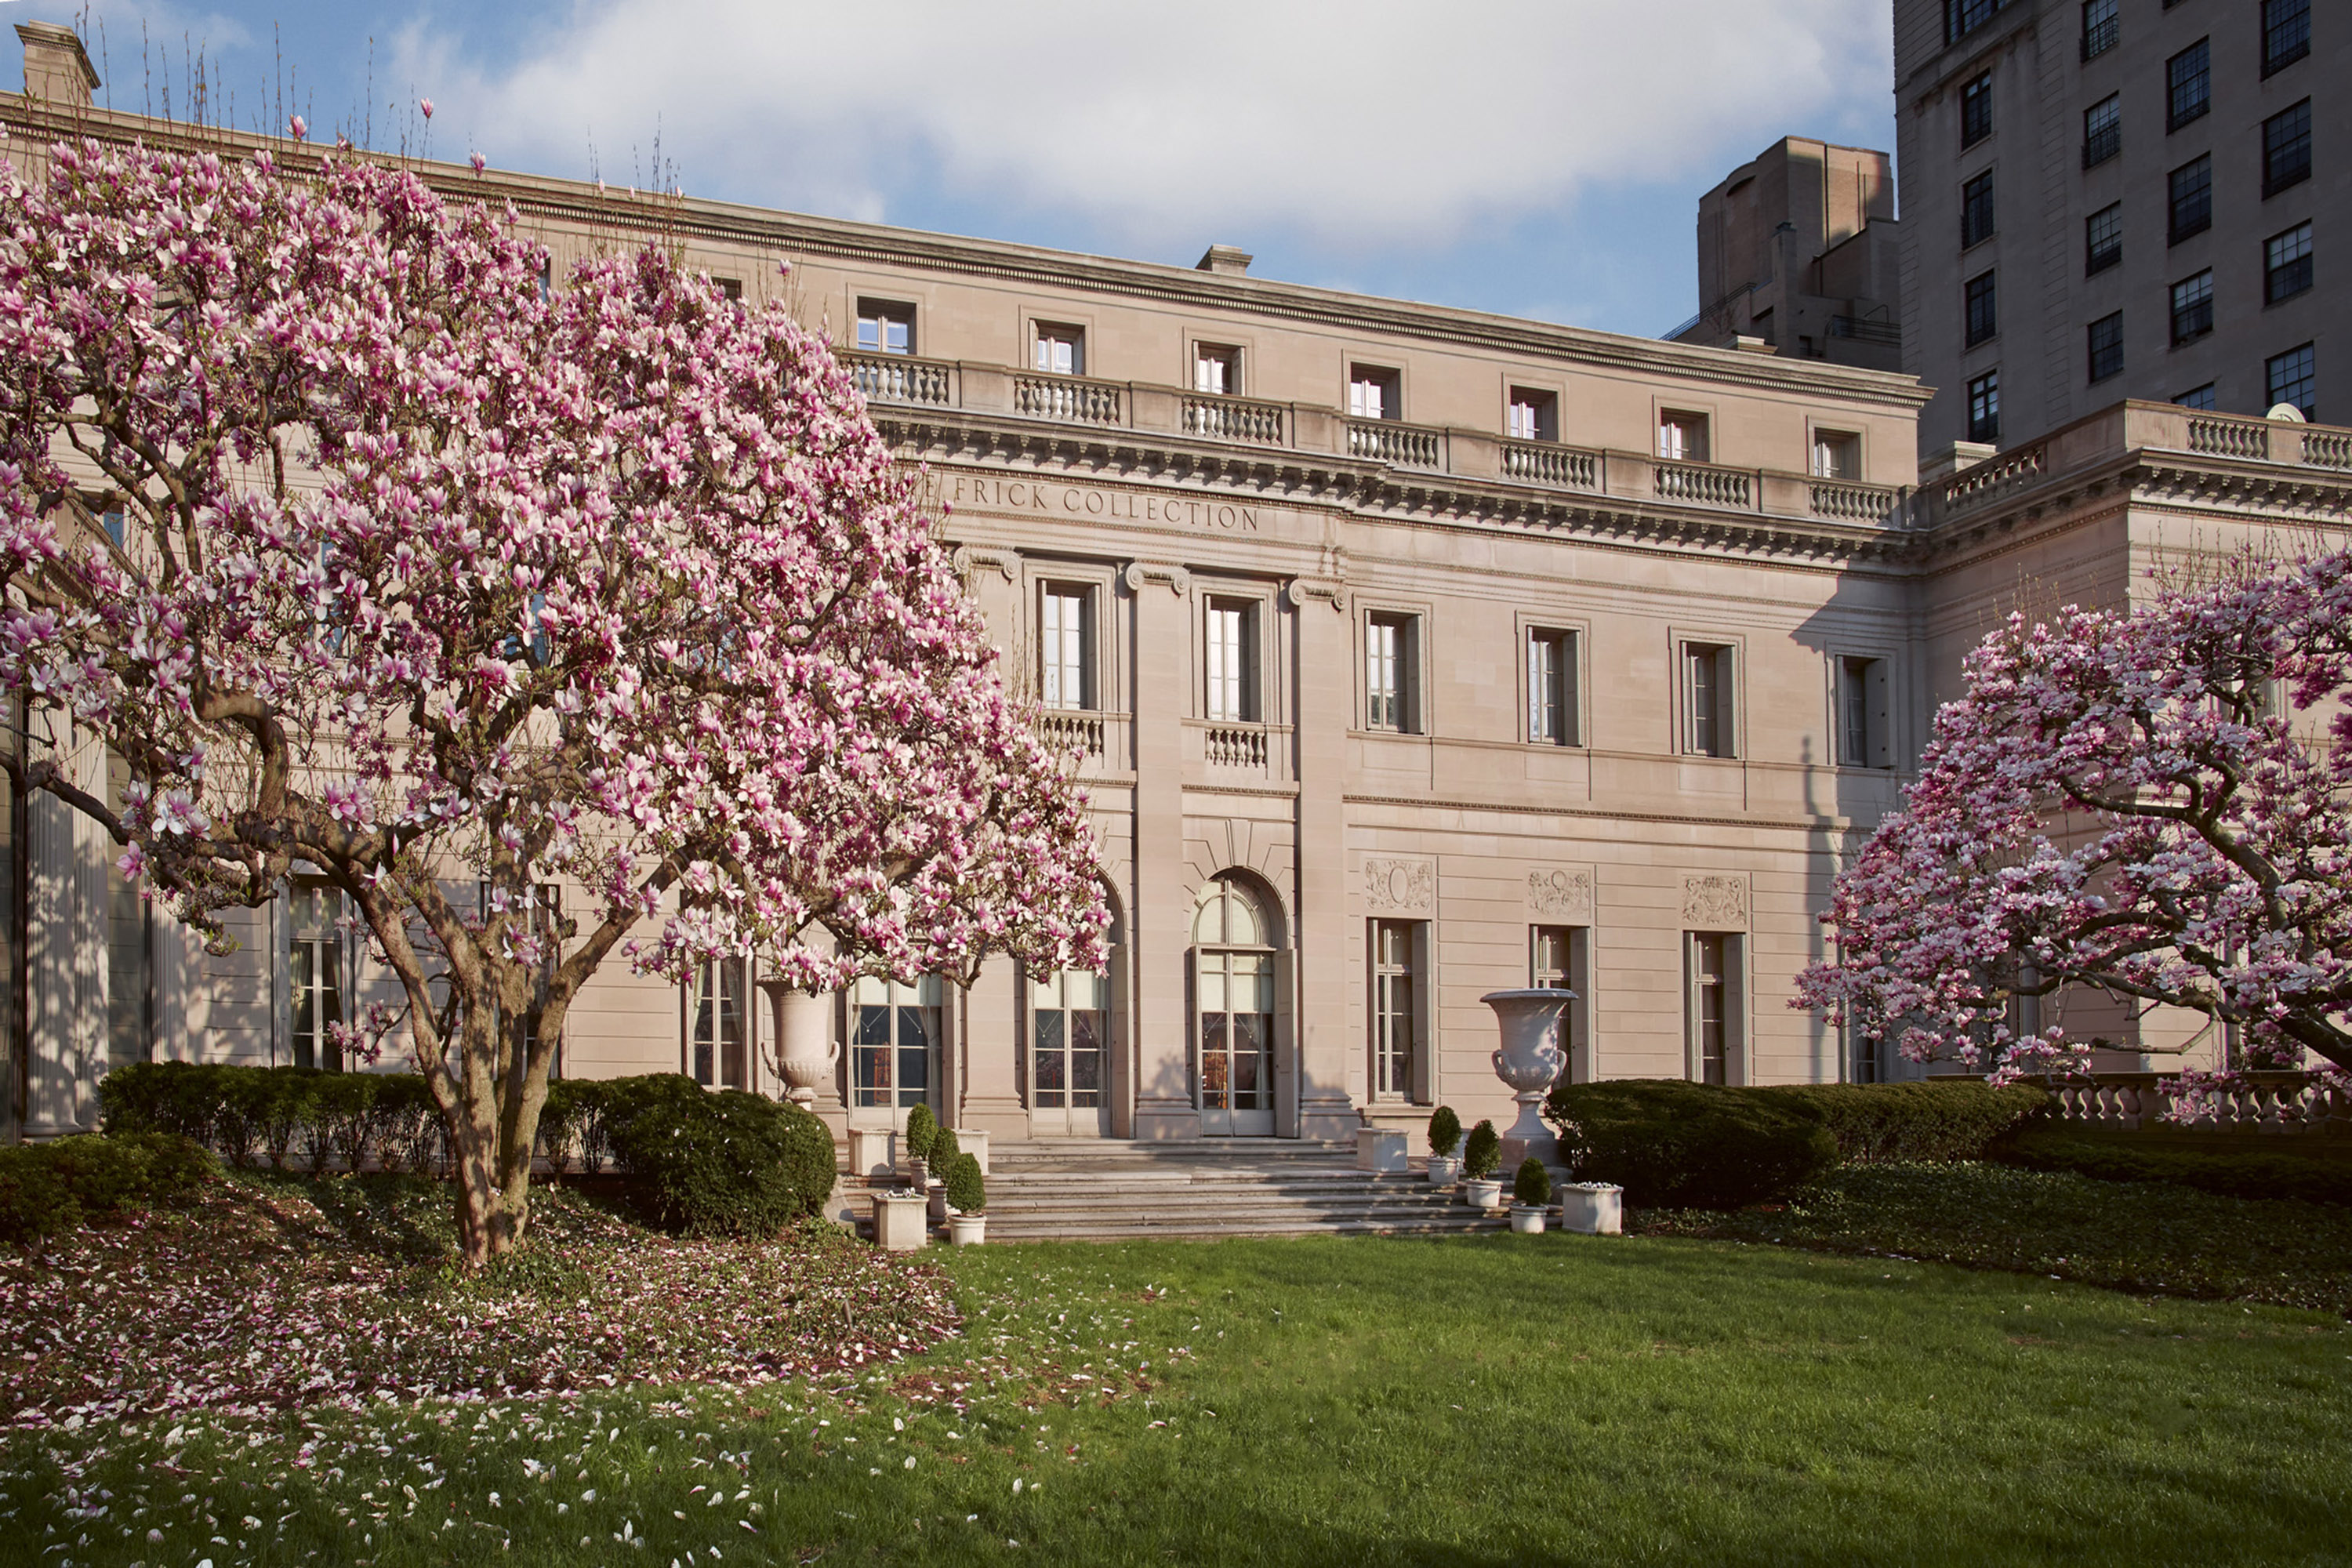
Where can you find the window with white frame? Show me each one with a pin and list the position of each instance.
(1216, 370)
(1396, 1007)
(885, 327)
(1230, 663)
(718, 1023)
(1066, 646)
(1865, 699)
(1389, 673)
(894, 1041)
(1551, 687)
(314, 972)
(1374, 392)
(1531, 416)
(1709, 672)
(1060, 350)
(1682, 436)
(1837, 454)
(1557, 960)
(1711, 961)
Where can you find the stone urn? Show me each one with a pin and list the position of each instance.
(805, 1047)
(1482, 1193)
(1444, 1170)
(968, 1229)
(1527, 1220)
(1529, 1062)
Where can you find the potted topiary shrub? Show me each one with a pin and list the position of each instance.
(915, 1147)
(967, 1198)
(1444, 1146)
(946, 1150)
(1481, 1153)
(1530, 1195)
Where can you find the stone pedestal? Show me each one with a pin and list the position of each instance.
(1380, 1150)
(902, 1221)
(973, 1140)
(1593, 1208)
(873, 1151)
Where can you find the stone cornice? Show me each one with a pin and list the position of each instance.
(584, 205)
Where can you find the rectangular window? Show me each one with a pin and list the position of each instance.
(2286, 33)
(1396, 1007)
(2193, 308)
(1864, 716)
(1061, 351)
(2196, 397)
(2188, 85)
(2190, 199)
(2103, 130)
(1231, 642)
(2286, 264)
(1216, 370)
(1837, 454)
(2100, 28)
(1984, 407)
(1709, 712)
(894, 1031)
(314, 927)
(1070, 1013)
(1558, 959)
(1682, 437)
(2105, 341)
(1391, 674)
(2286, 149)
(1975, 210)
(1531, 416)
(1374, 392)
(2103, 238)
(718, 1046)
(1066, 646)
(1983, 321)
(1962, 17)
(1712, 1011)
(730, 289)
(1976, 110)
(885, 327)
(1551, 689)
(2291, 377)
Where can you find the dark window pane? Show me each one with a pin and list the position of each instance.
(1982, 319)
(2103, 130)
(1976, 110)
(2286, 33)
(2103, 238)
(2286, 148)
(1977, 210)
(2100, 28)
(2107, 346)
(2192, 307)
(2286, 264)
(2188, 85)
(2191, 190)
(1984, 407)
(2290, 378)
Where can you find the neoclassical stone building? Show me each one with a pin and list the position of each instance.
(1406, 654)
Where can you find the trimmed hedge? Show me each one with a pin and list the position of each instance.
(46, 1188)
(1674, 1144)
(716, 1162)
(2051, 1147)
(1933, 1122)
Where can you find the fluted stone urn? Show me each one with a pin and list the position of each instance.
(1529, 1062)
(806, 1048)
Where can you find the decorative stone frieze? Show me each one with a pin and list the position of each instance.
(1561, 894)
(1400, 887)
(1714, 903)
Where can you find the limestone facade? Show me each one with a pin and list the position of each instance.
(1405, 653)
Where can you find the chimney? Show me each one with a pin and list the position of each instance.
(57, 68)
(1216, 258)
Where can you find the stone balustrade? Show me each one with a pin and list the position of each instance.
(1706, 485)
(2251, 1102)
(1234, 419)
(1405, 445)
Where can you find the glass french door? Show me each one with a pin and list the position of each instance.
(717, 1019)
(1236, 1044)
(893, 1032)
(314, 967)
(1069, 1040)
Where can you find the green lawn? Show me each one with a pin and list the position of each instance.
(1492, 1399)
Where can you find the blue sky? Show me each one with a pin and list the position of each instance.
(1534, 159)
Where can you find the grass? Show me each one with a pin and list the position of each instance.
(1472, 1400)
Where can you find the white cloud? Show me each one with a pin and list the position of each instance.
(1375, 122)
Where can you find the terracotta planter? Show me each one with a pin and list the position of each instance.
(1444, 1170)
(1528, 1219)
(1482, 1193)
(968, 1229)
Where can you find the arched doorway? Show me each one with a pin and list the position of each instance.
(1235, 997)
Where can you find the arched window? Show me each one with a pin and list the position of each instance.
(894, 1041)
(1233, 940)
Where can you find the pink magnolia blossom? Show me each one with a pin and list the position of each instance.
(2150, 808)
(616, 589)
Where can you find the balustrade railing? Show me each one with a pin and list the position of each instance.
(1542, 463)
(1232, 419)
(1707, 486)
(1385, 441)
(1854, 503)
(894, 378)
(2246, 1102)
(1973, 486)
(1234, 745)
(1071, 734)
(1069, 399)
(2328, 448)
(2229, 437)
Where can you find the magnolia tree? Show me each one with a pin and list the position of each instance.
(451, 589)
(2149, 804)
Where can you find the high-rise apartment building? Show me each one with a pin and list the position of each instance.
(2106, 199)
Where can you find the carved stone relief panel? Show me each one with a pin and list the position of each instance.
(1400, 887)
(1561, 895)
(1714, 903)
